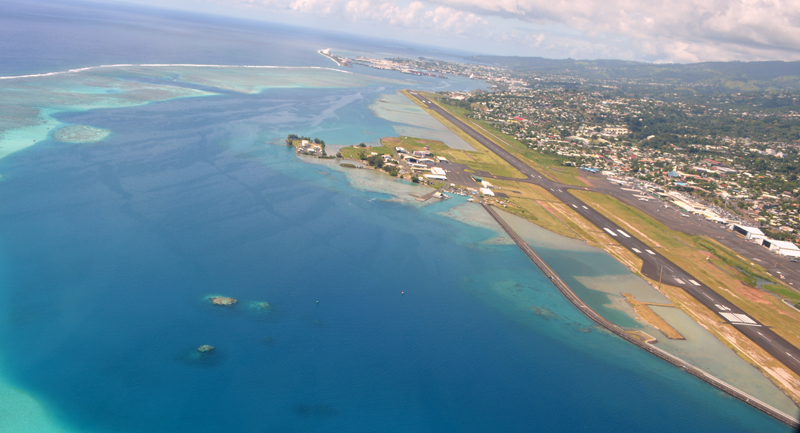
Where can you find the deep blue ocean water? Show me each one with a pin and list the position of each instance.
(385, 317)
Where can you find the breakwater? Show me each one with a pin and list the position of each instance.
(575, 300)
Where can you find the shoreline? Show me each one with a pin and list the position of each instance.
(694, 371)
(164, 65)
(327, 53)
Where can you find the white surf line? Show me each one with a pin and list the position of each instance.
(327, 53)
(164, 65)
(610, 232)
(623, 233)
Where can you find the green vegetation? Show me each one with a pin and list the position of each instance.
(788, 294)
(364, 153)
(544, 163)
(480, 160)
(749, 273)
(291, 140)
(355, 152)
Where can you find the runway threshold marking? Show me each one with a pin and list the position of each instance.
(739, 318)
(623, 233)
(575, 206)
(679, 281)
(637, 250)
(694, 282)
(585, 207)
(650, 252)
(610, 232)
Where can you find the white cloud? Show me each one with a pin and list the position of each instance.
(674, 30)
(414, 14)
(678, 30)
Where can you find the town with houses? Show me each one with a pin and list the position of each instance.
(730, 155)
(721, 177)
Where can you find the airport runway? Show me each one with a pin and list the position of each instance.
(653, 262)
(675, 219)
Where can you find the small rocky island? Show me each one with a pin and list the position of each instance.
(206, 348)
(223, 300)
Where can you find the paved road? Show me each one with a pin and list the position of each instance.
(655, 266)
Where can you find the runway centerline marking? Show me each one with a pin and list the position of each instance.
(610, 232)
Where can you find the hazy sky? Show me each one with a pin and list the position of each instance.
(660, 31)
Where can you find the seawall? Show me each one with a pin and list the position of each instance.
(694, 371)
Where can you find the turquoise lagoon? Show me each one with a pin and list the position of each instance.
(111, 248)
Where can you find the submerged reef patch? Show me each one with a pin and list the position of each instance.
(203, 356)
(80, 134)
(260, 306)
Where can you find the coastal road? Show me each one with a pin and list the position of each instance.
(655, 265)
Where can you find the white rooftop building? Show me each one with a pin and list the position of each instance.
(747, 232)
(783, 248)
